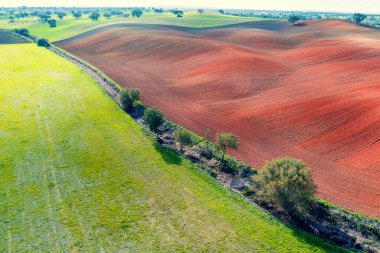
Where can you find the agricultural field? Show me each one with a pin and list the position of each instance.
(11, 38)
(308, 91)
(70, 26)
(78, 174)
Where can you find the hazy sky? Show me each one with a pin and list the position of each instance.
(366, 6)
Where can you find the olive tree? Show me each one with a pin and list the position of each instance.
(153, 118)
(94, 16)
(128, 97)
(183, 137)
(286, 184)
(137, 12)
(226, 141)
(358, 17)
(41, 42)
(293, 19)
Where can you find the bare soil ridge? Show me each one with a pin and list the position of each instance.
(308, 91)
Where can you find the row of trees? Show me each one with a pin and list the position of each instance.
(285, 184)
(357, 18)
(153, 118)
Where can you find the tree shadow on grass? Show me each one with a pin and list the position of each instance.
(168, 155)
(314, 240)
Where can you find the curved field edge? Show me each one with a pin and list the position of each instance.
(77, 173)
(70, 27)
(200, 80)
(116, 89)
(7, 37)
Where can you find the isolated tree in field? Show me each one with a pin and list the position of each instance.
(358, 17)
(126, 15)
(52, 23)
(285, 183)
(77, 14)
(221, 11)
(293, 19)
(11, 18)
(153, 118)
(94, 16)
(200, 11)
(41, 42)
(178, 13)
(107, 15)
(61, 15)
(226, 141)
(128, 97)
(137, 12)
(183, 137)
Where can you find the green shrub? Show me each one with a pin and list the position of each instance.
(128, 96)
(153, 118)
(226, 141)
(138, 105)
(286, 184)
(183, 137)
(41, 42)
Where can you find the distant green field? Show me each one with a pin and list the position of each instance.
(78, 174)
(69, 26)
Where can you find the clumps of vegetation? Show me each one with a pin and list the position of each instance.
(128, 96)
(52, 23)
(177, 13)
(226, 141)
(76, 14)
(200, 11)
(285, 184)
(61, 15)
(94, 16)
(293, 19)
(183, 137)
(358, 17)
(23, 32)
(41, 42)
(137, 12)
(153, 118)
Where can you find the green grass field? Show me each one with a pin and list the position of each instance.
(69, 26)
(78, 174)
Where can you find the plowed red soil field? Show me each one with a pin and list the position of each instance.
(310, 91)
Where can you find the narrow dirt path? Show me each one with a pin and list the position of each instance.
(102, 80)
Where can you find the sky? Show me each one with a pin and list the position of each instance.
(364, 6)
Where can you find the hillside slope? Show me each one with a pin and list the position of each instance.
(309, 91)
(77, 173)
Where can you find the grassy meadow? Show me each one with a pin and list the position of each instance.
(70, 26)
(78, 174)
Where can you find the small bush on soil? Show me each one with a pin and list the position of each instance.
(286, 184)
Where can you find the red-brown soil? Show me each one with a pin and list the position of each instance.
(310, 91)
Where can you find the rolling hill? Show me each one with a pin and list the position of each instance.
(78, 174)
(310, 91)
